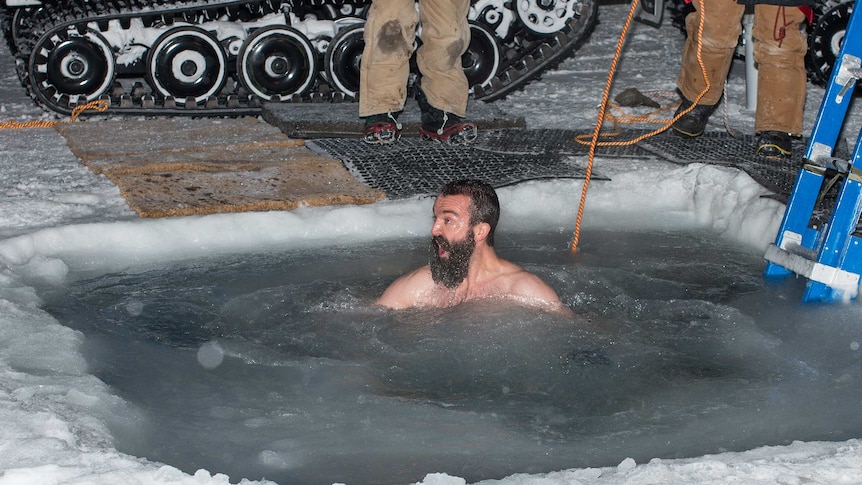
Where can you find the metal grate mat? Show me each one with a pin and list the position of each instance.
(414, 167)
(504, 157)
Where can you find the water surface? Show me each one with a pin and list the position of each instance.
(279, 366)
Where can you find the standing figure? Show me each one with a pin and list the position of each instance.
(779, 51)
(390, 32)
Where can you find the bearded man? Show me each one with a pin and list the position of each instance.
(463, 264)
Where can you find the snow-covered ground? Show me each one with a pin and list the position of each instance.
(56, 216)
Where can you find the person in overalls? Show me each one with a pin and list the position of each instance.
(779, 51)
(443, 88)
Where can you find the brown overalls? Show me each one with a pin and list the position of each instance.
(781, 75)
(389, 41)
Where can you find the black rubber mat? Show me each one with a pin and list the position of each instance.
(716, 148)
(414, 167)
(504, 157)
(560, 142)
(738, 151)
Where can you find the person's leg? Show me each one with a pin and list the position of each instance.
(722, 25)
(389, 37)
(721, 28)
(779, 50)
(445, 38)
(443, 89)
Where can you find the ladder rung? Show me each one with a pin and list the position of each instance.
(836, 278)
(831, 163)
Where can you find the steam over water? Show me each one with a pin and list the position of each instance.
(278, 365)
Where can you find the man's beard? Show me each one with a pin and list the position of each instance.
(451, 271)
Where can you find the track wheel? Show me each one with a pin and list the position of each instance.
(69, 68)
(824, 42)
(186, 62)
(545, 17)
(343, 58)
(276, 63)
(481, 61)
(20, 24)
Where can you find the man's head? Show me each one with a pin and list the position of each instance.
(465, 212)
(484, 204)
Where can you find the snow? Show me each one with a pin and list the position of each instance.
(56, 215)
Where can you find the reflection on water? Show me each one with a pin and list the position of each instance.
(279, 365)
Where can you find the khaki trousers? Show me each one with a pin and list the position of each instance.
(389, 39)
(781, 75)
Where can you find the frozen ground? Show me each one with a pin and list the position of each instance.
(57, 217)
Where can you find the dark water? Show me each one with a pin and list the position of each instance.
(278, 365)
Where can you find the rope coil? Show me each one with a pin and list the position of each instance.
(99, 105)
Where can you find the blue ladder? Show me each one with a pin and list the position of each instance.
(828, 253)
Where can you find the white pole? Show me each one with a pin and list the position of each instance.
(750, 67)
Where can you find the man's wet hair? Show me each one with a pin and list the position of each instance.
(484, 207)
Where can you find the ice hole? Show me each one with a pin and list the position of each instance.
(680, 348)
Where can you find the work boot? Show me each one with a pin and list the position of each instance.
(774, 144)
(694, 122)
(440, 126)
(381, 129)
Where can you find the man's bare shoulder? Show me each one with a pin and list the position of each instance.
(525, 285)
(528, 284)
(407, 289)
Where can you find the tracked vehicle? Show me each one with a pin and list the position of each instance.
(228, 57)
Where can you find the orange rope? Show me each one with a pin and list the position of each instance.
(100, 105)
(594, 141)
(601, 116)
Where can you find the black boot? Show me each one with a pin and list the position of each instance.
(774, 144)
(440, 126)
(694, 122)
